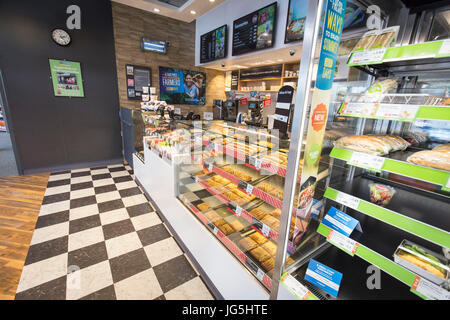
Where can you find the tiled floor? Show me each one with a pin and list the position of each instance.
(97, 237)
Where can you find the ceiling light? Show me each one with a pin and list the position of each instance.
(156, 10)
(193, 12)
(212, 0)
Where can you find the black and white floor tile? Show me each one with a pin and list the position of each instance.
(98, 237)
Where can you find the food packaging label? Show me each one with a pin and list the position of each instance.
(341, 222)
(296, 288)
(366, 161)
(342, 242)
(323, 277)
(347, 200)
(429, 289)
(281, 118)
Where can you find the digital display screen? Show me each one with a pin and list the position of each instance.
(155, 46)
(213, 45)
(255, 31)
(230, 104)
(252, 105)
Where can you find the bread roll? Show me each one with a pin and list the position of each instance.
(272, 222)
(203, 206)
(237, 225)
(226, 229)
(442, 147)
(367, 144)
(258, 213)
(268, 265)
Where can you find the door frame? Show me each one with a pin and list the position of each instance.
(9, 123)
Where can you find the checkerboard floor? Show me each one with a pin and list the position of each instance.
(98, 237)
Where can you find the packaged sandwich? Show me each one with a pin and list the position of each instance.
(366, 41)
(366, 144)
(431, 158)
(422, 261)
(385, 38)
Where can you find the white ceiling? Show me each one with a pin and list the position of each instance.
(183, 13)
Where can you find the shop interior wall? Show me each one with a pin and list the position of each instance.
(56, 132)
(130, 24)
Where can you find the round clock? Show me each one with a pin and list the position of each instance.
(61, 37)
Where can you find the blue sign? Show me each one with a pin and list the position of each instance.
(340, 221)
(323, 277)
(334, 22)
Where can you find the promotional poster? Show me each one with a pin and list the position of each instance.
(66, 78)
(182, 86)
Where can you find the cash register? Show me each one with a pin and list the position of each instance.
(254, 116)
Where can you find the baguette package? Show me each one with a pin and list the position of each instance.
(366, 144)
(431, 158)
(442, 148)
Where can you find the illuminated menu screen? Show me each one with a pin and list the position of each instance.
(255, 31)
(213, 45)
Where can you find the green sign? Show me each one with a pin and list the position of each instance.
(66, 78)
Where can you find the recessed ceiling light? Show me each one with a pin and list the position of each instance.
(156, 10)
(212, 0)
(193, 12)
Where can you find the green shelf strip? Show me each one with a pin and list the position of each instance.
(410, 52)
(406, 169)
(433, 113)
(385, 264)
(398, 220)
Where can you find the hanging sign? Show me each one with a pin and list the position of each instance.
(331, 37)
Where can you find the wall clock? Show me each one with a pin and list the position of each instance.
(61, 37)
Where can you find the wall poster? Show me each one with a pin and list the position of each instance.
(66, 78)
(182, 86)
(138, 78)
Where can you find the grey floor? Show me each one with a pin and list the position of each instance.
(7, 161)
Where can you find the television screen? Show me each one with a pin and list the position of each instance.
(230, 104)
(355, 17)
(252, 105)
(182, 86)
(213, 45)
(155, 46)
(255, 31)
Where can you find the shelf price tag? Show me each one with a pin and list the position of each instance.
(366, 161)
(342, 242)
(265, 230)
(260, 274)
(238, 211)
(258, 163)
(296, 288)
(249, 189)
(445, 48)
(216, 230)
(429, 290)
(446, 187)
(347, 200)
(367, 56)
(392, 111)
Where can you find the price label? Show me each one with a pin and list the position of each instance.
(249, 189)
(260, 274)
(238, 211)
(216, 230)
(196, 179)
(345, 243)
(389, 111)
(409, 112)
(367, 56)
(366, 161)
(445, 48)
(347, 200)
(258, 163)
(299, 290)
(429, 289)
(210, 167)
(447, 185)
(265, 230)
(280, 118)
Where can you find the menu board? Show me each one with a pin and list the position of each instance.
(213, 45)
(255, 31)
(138, 78)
